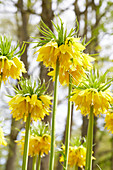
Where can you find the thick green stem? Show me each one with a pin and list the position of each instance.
(26, 144)
(76, 167)
(39, 161)
(51, 163)
(68, 125)
(89, 141)
(34, 162)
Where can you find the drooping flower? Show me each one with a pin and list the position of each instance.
(85, 98)
(91, 92)
(10, 64)
(109, 119)
(77, 156)
(86, 60)
(30, 99)
(67, 54)
(72, 55)
(46, 53)
(109, 122)
(76, 75)
(64, 48)
(39, 141)
(39, 144)
(77, 153)
(2, 140)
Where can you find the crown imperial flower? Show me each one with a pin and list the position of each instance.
(10, 64)
(109, 119)
(39, 141)
(30, 99)
(64, 75)
(67, 49)
(92, 92)
(77, 156)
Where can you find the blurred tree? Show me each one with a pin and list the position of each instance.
(22, 35)
(46, 16)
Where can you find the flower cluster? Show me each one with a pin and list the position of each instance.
(39, 141)
(92, 93)
(21, 106)
(30, 100)
(10, 64)
(64, 75)
(109, 119)
(77, 156)
(68, 51)
(69, 54)
(39, 145)
(2, 141)
(85, 98)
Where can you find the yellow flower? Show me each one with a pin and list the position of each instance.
(38, 107)
(71, 59)
(47, 54)
(13, 68)
(87, 59)
(37, 144)
(77, 156)
(75, 42)
(69, 54)
(2, 141)
(64, 75)
(10, 65)
(109, 121)
(64, 48)
(85, 98)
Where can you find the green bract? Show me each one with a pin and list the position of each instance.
(96, 81)
(9, 51)
(26, 87)
(78, 141)
(40, 130)
(48, 35)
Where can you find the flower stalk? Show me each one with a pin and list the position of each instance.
(39, 161)
(26, 144)
(76, 168)
(51, 163)
(68, 125)
(34, 162)
(89, 140)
